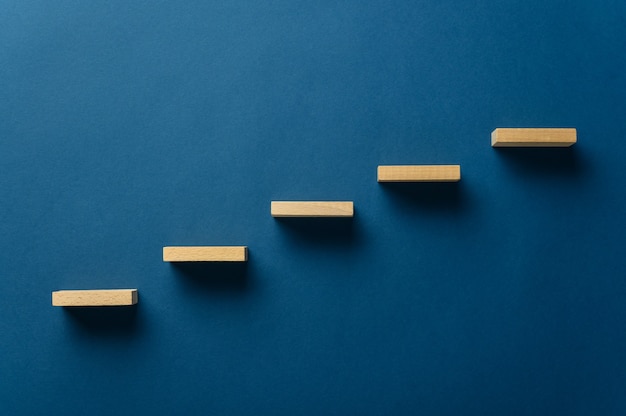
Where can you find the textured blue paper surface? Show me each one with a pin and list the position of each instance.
(126, 126)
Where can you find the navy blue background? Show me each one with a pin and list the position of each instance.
(128, 126)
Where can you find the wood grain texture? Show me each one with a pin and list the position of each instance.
(312, 209)
(205, 253)
(100, 297)
(533, 137)
(419, 173)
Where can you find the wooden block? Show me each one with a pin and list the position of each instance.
(533, 137)
(419, 173)
(106, 297)
(312, 209)
(212, 253)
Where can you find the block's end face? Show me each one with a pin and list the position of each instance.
(574, 139)
(533, 137)
(454, 174)
(494, 138)
(274, 209)
(169, 254)
(58, 298)
(134, 297)
(351, 210)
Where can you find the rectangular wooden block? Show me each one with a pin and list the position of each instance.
(533, 137)
(312, 209)
(105, 297)
(419, 173)
(208, 253)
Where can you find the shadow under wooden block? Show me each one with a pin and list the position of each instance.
(330, 232)
(565, 162)
(213, 276)
(119, 322)
(428, 197)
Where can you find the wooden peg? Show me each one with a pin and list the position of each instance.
(312, 209)
(207, 253)
(100, 297)
(419, 173)
(533, 137)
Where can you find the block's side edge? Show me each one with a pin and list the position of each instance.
(454, 175)
(340, 212)
(173, 254)
(566, 141)
(494, 138)
(120, 300)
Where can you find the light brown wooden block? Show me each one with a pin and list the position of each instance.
(209, 253)
(419, 173)
(100, 297)
(533, 137)
(312, 209)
